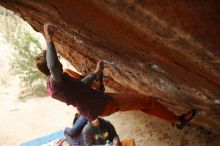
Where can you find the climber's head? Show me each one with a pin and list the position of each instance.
(41, 63)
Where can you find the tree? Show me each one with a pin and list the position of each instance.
(27, 44)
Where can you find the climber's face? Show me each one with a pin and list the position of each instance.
(41, 63)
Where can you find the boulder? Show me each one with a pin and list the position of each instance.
(166, 49)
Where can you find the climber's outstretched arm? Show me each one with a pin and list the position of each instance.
(53, 62)
(90, 78)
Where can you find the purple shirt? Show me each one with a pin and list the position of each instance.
(88, 101)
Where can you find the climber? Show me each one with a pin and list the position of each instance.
(88, 101)
(73, 135)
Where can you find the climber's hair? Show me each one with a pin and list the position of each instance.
(41, 63)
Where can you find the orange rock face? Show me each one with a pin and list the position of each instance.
(170, 50)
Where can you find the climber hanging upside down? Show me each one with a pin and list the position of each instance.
(88, 101)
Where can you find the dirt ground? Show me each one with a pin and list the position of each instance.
(21, 122)
(24, 121)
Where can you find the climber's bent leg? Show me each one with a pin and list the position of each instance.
(160, 111)
(147, 104)
(73, 73)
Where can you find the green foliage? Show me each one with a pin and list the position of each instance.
(27, 45)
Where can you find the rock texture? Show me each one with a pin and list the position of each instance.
(167, 49)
